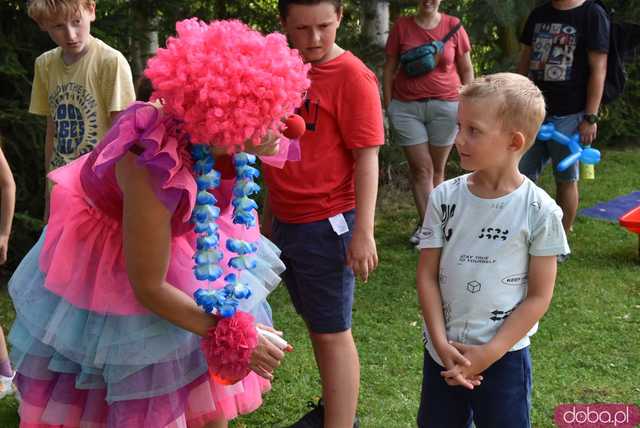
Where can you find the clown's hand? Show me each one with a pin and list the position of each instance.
(268, 145)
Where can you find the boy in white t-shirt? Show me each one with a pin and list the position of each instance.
(488, 263)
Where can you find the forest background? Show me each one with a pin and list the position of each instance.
(137, 27)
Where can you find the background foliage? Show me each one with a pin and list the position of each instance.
(493, 26)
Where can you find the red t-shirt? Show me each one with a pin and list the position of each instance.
(343, 112)
(441, 83)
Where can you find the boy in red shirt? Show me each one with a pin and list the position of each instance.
(322, 208)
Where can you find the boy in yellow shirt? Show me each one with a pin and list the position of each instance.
(80, 85)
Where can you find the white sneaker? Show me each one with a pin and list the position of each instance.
(6, 386)
(415, 238)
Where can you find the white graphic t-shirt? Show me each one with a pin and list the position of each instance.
(80, 97)
(486, 244)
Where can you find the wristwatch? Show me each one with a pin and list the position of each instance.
(591, 118)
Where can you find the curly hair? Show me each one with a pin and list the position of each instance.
(227, 82)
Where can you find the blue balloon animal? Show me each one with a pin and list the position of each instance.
(585, 155)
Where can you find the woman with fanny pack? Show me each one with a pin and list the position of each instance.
(428, 59)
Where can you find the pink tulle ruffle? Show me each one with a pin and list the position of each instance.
(99, 280)
(56, 403)
(82, 257)
(166, 158)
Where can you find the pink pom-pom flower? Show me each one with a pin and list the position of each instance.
(227, 82)
(228, 347)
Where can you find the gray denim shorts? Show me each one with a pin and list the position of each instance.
(534, 161)
(428, 121)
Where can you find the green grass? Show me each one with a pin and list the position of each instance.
(587, 348)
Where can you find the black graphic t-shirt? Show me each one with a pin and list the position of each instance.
(560, 41)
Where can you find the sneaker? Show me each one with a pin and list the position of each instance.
(415, 238)
(315, 417)
(563, 257)
(6, 386)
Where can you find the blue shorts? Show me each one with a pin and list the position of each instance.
(320, 285)
(535, 159)
(503, 399)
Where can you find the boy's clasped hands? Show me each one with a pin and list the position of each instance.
(465, 363)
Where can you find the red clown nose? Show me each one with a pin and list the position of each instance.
(295, 127)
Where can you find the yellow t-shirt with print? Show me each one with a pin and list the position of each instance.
(80, 97)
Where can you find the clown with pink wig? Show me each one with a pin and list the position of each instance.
(143, 303)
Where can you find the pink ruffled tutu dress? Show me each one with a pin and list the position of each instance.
(87, 354)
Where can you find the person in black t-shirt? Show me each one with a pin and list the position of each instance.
(565, 45)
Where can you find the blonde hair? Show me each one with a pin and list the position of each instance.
(43, 11)
(520, 104)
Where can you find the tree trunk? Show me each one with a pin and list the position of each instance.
(508, 41)
(375, 21)
(220, 8)
(146, 43)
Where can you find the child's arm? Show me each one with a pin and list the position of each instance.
(147, 239)
(429, 295)
(431, 304)
(8, 189)
(542, 277)
(362, 256)
(541, 281)
(48, 156)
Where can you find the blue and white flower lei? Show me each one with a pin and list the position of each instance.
(223, 302)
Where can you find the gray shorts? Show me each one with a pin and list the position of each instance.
(430, 121)
(534, 161)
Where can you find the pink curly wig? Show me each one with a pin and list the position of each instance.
(227, 82)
